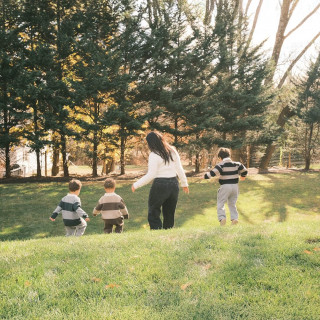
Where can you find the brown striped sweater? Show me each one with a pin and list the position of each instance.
(111, 206)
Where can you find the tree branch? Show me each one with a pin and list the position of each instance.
(255, 20)
(284, 77)
(303, 20)
(295, 3)
(247, 7)
(209, 9)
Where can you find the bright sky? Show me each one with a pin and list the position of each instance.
(268, 24)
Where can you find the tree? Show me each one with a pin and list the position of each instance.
(59, 112)
(123, 113)
(308, 111)
(288, 7)
(36, 32)
(12, 77)
(93, 71)
(237, 89)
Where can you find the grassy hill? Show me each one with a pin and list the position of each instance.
(267, 267)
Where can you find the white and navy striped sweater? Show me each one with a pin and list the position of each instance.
(70, 206)
(228, 171)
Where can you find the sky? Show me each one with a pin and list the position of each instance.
(268, 24)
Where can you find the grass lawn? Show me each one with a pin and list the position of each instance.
(267, 267)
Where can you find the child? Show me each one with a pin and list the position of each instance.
(112, 208)
(228, 172)
(73, 216)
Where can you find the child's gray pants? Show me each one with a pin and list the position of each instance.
(227, 193)
(76, 230)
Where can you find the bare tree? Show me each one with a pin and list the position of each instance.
(287, 9)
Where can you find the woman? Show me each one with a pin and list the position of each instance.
(163, 167)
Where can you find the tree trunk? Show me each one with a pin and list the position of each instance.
(265, 160)
(55, 157)
(284, 115)
(197, 163)
(236, 153)
(95, 155)
(122, 155)
(307, 163)
(64, 156)
(248, 156)
(38, 163)
(7, 151)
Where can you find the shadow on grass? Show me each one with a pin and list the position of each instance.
(25, 208)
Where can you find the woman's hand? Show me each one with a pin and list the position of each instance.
(133, 188)
(185, 190)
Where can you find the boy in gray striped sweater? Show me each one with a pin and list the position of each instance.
(74, 218)
(112, 208)
(228, 172)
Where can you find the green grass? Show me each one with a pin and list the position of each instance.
(267, 267)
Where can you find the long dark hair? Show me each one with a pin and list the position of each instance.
(159, 146)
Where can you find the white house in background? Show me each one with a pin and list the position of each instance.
(24, 162)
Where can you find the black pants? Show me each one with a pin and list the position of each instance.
(163, 193)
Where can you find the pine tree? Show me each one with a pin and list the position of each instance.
(123, 113)
(59, 112)
(308, 111)
(93, 71)
(36, 32)
(12, 77)
(238, 93)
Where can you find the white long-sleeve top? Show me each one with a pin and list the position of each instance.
(158, 169)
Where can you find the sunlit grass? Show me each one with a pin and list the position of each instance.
(267, 267)
(263, 198)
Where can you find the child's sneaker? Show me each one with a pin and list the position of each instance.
(223, 222)
(234, 222)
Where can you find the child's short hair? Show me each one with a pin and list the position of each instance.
(109, 183)
(75, 185)
(224, 153)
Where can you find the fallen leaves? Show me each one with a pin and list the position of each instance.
(112, 285)
(94, 279)
(185, 286)
(310, 252)
(27, 283)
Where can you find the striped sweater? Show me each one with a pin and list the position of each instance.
(228, 171)
(111, 206)
(70, 206)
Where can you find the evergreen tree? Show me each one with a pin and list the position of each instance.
(238, 93)
(36, 16)
(12, 77)
(165, 85)
(123, 113)
(93, 71)
(59, 112)
(308, 111)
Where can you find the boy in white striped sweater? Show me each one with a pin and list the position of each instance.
(228, 172)
(74, 217)
(112, 208)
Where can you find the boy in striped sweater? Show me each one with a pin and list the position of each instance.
(74, 218)
(112, 208)
(228, 172)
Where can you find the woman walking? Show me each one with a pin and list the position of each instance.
(163, 167)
